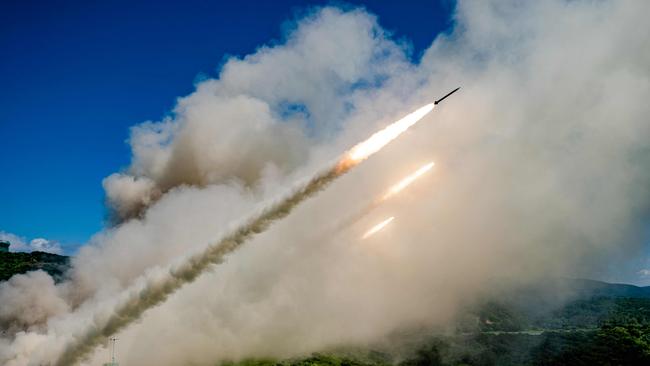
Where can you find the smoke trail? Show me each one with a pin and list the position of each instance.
(156, 292)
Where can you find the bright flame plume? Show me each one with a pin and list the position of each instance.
(373, 230)
(407, 181)
(381, 138)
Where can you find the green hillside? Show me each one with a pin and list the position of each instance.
(14, 263)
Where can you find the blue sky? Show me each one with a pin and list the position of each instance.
(76, 75)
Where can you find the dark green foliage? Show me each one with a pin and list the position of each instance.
(610, 345)
(252, 362)
(596, 331)
(607, 346)
(316, 359)
(630, 311)
(429, 355)
(15, 263)
(580, 314)
(497, 316)
(476, 350)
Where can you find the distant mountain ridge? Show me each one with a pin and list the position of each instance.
(586, 287)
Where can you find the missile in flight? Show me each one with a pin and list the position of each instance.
(448, 94)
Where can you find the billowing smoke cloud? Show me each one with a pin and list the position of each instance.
(29, 299)
(128, 195)
(20, 244)
(262, 113)
(541, 169)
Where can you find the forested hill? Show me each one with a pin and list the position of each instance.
(15, 263)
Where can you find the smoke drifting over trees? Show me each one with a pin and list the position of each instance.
(541, 169)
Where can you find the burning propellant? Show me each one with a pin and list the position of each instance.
(379, 139)
(391, 192)
(406, 181)
(395, 189)
(375, 229)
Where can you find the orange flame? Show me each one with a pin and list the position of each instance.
(381, 138)
(377, 227)
(407, 181)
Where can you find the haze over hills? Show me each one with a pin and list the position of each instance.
(597, 323)
(603, 324)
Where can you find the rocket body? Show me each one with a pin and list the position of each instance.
(448, 94)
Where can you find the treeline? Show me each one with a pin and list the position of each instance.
(610, 345)
(17, 263)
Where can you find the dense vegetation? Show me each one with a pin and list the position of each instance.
(607, 345)
(317, 359)
(14, 263)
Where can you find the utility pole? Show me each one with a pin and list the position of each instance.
(112, 341)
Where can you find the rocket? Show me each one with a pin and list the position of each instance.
(448, 94)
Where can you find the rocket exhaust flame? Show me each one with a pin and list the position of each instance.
(392, 191)
(138, 299)
(373, 230)
(407, 181)
(381, 138)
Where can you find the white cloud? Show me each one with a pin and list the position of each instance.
(644, 273)
(20, 244)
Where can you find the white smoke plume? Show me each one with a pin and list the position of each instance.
(29, 299)
(261, 114)
(128, 195)
(541, 169)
